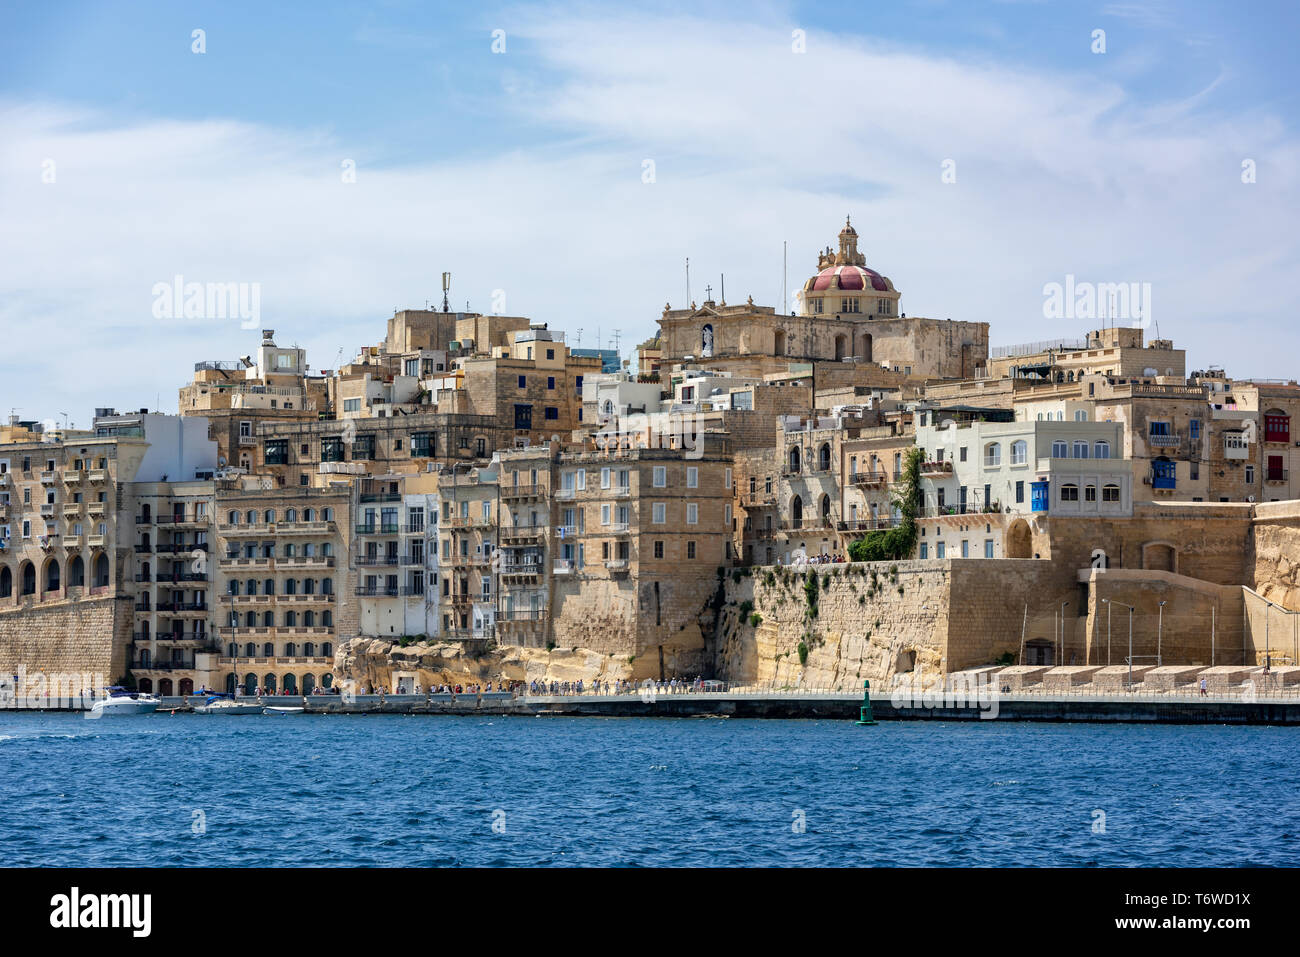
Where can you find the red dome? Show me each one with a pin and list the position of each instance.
(851, 277)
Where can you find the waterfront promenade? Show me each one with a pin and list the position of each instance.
(1178, 706)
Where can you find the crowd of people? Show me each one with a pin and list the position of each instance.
(618, 686)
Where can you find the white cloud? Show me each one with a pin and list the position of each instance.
(753, 144)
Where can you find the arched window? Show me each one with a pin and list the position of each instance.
(76, 572)
(327, 650)
(308, 515)
(250, 650)
(28, 573)
(796, 510)
(1101, 450)
(327, 619)
(290, 650)
(327, 586)
(824, 457)
(1069, 493)
(290, 586)
(1060, 449)
(52, 576)
(1081, 450)
(1019, 452)
(1110, 493)
(1090, 493)
(309, 619)
(268, 649)
(268, 587)
(251, 588)
(232, 587)
(291, 515)
(826, 509)
(101, 571)
(269, 516)
(309, 586)
(992, 455)
(794, 459)
(250, 621)
(291, 619)
(6, 583)
(251, 517)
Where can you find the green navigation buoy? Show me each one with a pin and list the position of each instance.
(865, 716)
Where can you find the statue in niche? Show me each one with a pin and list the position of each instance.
(706, 342)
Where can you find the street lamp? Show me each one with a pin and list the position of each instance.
(1160, 630)
(1063, 604)
(1108, 602)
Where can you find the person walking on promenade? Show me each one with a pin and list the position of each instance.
(1204, 692)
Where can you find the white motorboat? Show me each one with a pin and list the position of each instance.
(278, 709)
(227, 705)
(119, 702)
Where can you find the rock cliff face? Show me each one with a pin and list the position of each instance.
(1277, 562)
(833, 629)
(372, 662)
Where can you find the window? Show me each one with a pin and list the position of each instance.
(988, 548)
(659, 549)
(523, 416)
(692, 477)
(1019, 452)
(1101, 450)
(925, 550)
(659, 512)
(604, 515)
(1081, 415)
(1020, 491)
(850, 304)
(550, 382)
(351, 405)
(1069, 493)
(1090, 493)
(726, 479)
(660, 476)
(277, 452)
(965, 548)
(1194, 428)
(552, 413)
(992, 455)
(523, 382)
(962, 456)
(1080, 450)
(1060, 449)
(690, 550)
(1277, 427)
(1110, 493)
(604, 477)
(939, 549)
(692, 514)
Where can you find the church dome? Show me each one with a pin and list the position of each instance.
(850, 277)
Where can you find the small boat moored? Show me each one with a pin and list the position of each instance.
(228, 705)
(277, 709)
(119, 701)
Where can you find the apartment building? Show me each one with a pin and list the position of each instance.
(283, 579)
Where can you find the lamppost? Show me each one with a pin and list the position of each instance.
(1063, 605)
(1108, 603)
(1160, 630)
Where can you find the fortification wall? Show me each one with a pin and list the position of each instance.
(87, 636)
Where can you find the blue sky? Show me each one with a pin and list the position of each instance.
(522, 172)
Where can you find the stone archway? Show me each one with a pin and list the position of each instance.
(1160, 556)
(778, 343)
(1019, 541)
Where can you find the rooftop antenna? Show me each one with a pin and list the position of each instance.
(580, 335)
(446, 285)
(688, 282)
(783, 275)
(723, 277)
(617, 335)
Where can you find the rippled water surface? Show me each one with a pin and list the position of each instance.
(420, 790)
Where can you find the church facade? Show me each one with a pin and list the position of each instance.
(846, 312)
